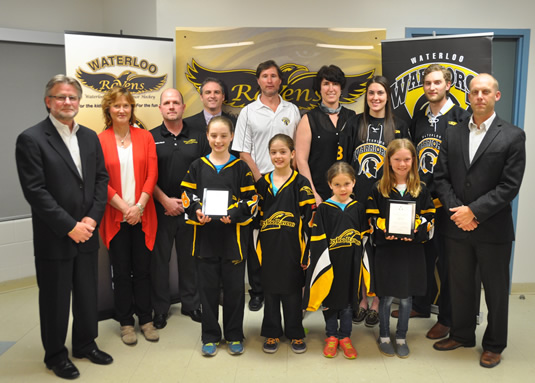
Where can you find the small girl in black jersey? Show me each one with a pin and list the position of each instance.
(333, 276)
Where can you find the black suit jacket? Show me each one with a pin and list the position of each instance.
(197, 121)
(58, 196)
(488, 185)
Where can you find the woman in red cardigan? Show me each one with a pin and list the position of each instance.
(128, 228)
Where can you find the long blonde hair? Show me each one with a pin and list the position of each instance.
(388, 181)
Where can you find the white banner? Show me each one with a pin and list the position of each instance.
(100, 62)
(145, 67)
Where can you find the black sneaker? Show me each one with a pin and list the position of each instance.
(372, 319)
(271, 345)
(359, 315)
(298, 346)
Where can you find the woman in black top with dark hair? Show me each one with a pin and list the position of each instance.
(371, 132)
(319, 134)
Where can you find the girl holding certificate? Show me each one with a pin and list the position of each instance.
(285, 207)
(399, 264)
(220, 200)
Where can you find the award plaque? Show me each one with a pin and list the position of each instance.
(215, 202)
(400, 218)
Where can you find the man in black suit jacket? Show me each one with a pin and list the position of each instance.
(62, 174)
(480, 169)
(212, 93)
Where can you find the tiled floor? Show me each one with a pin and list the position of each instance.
(177, 357)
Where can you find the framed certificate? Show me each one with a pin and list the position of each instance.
(215, 202)
(400, 218)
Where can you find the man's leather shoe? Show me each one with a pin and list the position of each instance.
(438, 331)
(195, 315)
(160, 321)
(96, 356)
(256, 303)
(448, 344)
(490, 359)
(65, 369)
(414, 314)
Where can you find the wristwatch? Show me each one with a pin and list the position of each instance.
(141, 208)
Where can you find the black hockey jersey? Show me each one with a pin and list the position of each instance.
(426, 134)
(284, 232)
(216, 239)
(336, 256)
(367, 157)
(399, 268)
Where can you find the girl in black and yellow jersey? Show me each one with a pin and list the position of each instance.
(336, 258)
(399, 262)
(220, 245)
(285, 205)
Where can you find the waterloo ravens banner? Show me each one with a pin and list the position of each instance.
(232, 55)
(145, 67)
(404, 62)
(99, 62)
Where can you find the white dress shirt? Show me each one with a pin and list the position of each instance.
(70, 140)
(477, 133)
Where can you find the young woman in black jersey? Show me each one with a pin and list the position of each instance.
(370, 133)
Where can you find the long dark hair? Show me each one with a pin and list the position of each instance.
(389, 124)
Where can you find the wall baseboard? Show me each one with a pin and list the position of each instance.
(523, 288)
(18, 284)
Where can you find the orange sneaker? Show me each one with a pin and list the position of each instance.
(347, 347)
(331, 347)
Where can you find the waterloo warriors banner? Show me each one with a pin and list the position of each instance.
(232, 55)
(404, 62)
(100, 62)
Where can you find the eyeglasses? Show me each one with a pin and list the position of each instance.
(64, 98)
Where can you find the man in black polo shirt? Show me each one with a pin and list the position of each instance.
(177, 146)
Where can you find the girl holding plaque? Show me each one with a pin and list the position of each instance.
(399, 262)
(220, 201)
